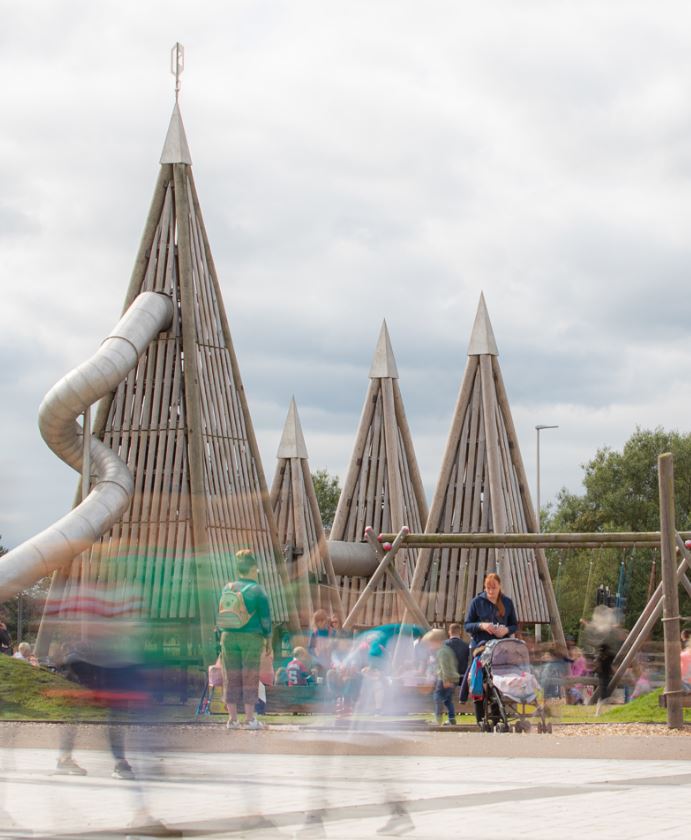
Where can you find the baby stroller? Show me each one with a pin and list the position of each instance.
(511, 693)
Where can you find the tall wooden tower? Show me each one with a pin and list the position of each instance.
(383, 487)
(182, 424)
(300, 529)
(483, 488)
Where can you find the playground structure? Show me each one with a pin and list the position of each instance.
(300, 531)
(483, 487)
(382, 488)
(174, 483)
(105, 504)
(180, 422)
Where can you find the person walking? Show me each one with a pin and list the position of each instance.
(244, 619)
(447, 674)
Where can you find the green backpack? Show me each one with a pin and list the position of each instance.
(232, 610)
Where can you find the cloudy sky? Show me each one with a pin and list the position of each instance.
(359, 160)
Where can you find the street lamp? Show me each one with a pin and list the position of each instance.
(538, 429)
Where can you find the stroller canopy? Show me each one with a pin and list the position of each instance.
(506, 655)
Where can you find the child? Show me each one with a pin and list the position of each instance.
(447, 674)
(297, 671)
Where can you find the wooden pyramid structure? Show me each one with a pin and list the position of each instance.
(182, 424)
(383, 488)
(483, 488)
(300, 529)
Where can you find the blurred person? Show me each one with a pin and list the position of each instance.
(460, 648)
(245, 623)
(641, 681)
(575, 694)
(556, 668)
(686, 662)
(297, 670)
(447, 674)
(5, 640)
(320, 642)
(25, 653)
(491, 615)
(604, 636)
(106, 661)
(336, 628)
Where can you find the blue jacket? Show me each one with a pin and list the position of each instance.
(482, 610)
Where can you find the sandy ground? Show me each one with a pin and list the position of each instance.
(613, 741)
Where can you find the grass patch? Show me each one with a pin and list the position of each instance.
(26, 694)
(644, 709)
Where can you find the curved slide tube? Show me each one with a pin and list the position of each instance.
(149, 314)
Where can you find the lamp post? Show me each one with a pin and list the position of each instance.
(538, 429)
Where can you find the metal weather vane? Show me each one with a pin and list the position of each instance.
(177, 65)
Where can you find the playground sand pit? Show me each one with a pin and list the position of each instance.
(576, 730)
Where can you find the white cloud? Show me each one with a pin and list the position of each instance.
(357, 161)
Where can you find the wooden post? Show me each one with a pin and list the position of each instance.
(322, 543)
(670, 609)
(377, 575)
(350, 484)
(645, 623)
(409, 603)
(200, 531)
(435, 512)
(265, 501)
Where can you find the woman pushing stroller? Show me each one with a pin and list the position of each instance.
(491, 615)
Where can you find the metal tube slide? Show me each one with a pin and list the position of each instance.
(348, 558)
(149, 314)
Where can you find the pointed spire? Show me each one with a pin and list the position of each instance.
(383, 363)
(292, 443)
(482, 340)
(175, 148)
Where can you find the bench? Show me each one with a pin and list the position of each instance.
(685, 700)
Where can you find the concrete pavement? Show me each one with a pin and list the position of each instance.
(218, 794)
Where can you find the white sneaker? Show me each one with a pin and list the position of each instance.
(233, 724)
(254, 724)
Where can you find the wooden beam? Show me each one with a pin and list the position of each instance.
(192, 390)
(404, 593)
(645, 623)
(265, 501)
(350, 484)
(376, 577)
(323, 545)
(609, 539)
(670, 597)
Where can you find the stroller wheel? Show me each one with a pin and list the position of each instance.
(548, 728)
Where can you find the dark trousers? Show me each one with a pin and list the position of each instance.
(444, 697)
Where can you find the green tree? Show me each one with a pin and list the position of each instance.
(621, 494)
(328, 491)
(30, 602)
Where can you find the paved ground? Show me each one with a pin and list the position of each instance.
(466, 793)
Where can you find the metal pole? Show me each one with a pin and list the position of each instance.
(670, 596)
(538, 518)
